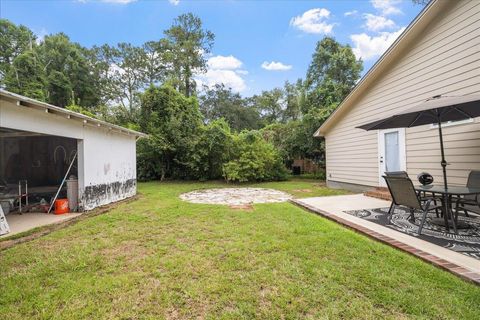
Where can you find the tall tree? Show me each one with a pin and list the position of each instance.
(221, 102)
(173, 122)
(123, 74)
(271, 105)
(26, 76)
(293, 95)
(187, 43)
(70, 79)
(155, 66)
(14, 40)
(332, 74)
(56, 70)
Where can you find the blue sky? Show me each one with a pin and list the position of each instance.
(258, 45)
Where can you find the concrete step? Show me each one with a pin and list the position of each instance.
(379, 193)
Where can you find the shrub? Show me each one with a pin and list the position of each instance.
(212, 150)
(172, 122)
(254, 160)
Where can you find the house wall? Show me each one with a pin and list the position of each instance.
(109, 161)
(443, 59)
(106, 158)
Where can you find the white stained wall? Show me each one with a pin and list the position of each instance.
(109, 166)
(443, 59)
(106, 158)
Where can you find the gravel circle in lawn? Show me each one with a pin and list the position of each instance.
(235, 196)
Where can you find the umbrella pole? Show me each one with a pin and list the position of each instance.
(443, 163)
(446, 208)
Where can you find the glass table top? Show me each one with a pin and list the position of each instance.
(458, 190)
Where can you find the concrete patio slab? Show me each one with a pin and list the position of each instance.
(235, 196)
(23, 222)
(333, 207)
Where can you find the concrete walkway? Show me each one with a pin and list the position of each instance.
(27, 221)
(335, 206)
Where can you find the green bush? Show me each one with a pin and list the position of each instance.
(173, 123)
(213, 149)
(150, 160)
(254, 159)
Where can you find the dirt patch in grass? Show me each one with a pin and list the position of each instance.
(303, 190)
(130, 252)
(267, 294)
(242, 207)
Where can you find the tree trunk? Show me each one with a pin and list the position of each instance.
(162, 176)
(187, 86)
(187, 81)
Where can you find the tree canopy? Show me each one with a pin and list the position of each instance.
(201, 134)
(221, 102)
(187, 43)
(331, 75)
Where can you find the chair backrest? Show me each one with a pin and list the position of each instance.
(400, 174)
(473, 179)
(403, 192)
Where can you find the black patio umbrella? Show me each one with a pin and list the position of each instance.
(435, 110)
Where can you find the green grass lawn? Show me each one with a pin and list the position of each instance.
(161, 258)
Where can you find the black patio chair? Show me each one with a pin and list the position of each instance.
(422, 195)
(403, 194)
(469, 202)
(399, 174)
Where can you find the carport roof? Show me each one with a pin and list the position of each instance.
(51, 109)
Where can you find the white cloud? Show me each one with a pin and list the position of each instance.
(275, 66)
(229, 78)
(223, 69)
(386, 7)
(224, 62)
(368, 47)
(350, 13)
(174, 2)
(377, 23)
(313, 21)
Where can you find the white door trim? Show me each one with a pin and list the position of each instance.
(381, 152)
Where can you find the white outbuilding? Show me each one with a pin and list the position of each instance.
(39, 142)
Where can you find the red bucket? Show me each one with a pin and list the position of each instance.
(61, 206)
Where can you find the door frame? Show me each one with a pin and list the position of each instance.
(381, 152)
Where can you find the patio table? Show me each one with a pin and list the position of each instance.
(448, 193)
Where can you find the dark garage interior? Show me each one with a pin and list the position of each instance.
(33, 165)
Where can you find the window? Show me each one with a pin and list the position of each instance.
(451, 123)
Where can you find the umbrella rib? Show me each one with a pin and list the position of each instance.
(463, 112)
(416, 118)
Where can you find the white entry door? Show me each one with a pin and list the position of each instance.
(391, 152)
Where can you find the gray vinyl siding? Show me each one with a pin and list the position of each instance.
(444, 59)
